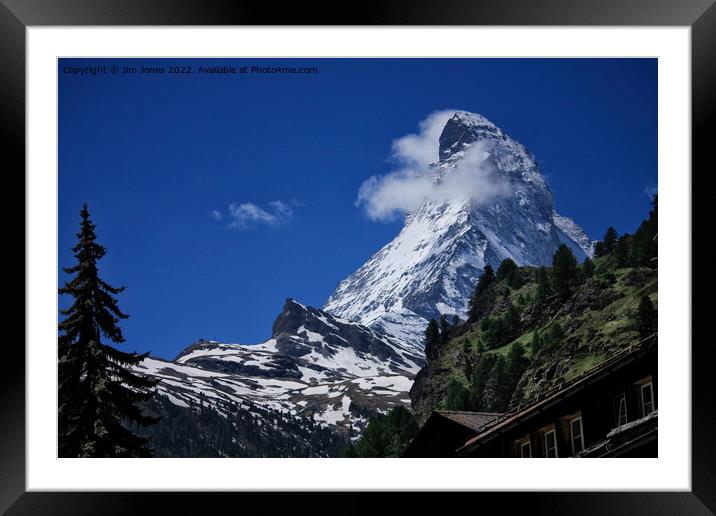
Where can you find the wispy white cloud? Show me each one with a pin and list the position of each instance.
(413, 183)
(651, 190)
(248, 215)
(420, 150)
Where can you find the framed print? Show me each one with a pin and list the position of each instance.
(358, 252)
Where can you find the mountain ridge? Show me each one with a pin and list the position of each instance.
(316, 369)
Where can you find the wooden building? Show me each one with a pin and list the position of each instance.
(608, 411)
(447, 430)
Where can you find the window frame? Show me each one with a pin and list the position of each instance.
(621, 399)
(642, 387)
(553, 432)
(581, 433)
(528, 444)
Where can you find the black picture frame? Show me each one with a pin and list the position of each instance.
(700, 15)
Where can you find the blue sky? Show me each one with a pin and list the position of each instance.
(156, 155)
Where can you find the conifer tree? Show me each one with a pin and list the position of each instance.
(432, 338)
(544, 289)
(498, 387)
(487, 279)
(457, 397)
(599, 249)
(444, 328)
(564, 270)
(610, 240)
(622, 251)
(506, 266)
(556, 333)
(517, 364)
(587, 268)
(644, 247)
(647, 319)
(535, 343)
(98, 394)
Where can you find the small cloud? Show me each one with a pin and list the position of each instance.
(651, 190)
(420, 150)
(248, 215)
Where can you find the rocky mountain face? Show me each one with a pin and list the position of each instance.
(316, 369)
(432, 266)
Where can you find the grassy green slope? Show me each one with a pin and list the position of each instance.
(597, 320)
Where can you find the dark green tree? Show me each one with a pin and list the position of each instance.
(457, 396)
(564, 270)
(349, 452)
(518, 363)
(544, 289)
(535, 343)
(487, 279)
(556, 334)
(98, 394)
(599, 249)
(498, 389)
(647, 318)
(512, 319)
(432, 339)
(587, 268)
(478, 383)
(444, 328)
(623, 250)
(510, 273)
(610, 240)
(644, 249)
(385, 435)
(506, 266)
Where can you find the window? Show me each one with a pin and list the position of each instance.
(647, 399)
(550, 444)
(525, 450)
(577, 435)
(620, 410)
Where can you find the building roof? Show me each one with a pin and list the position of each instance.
(475, 421)
(565, 389)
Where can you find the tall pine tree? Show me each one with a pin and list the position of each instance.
(610, 240)
(544, 289)
(98, 394)
(647, 318)
(564, 270)
(432, 339)
(487, 279)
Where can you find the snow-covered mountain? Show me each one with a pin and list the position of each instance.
(315, 366)
(432, 266)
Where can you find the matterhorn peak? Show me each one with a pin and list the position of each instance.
(432, 266)
(463, 129)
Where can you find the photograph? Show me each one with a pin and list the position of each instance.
(357, 257)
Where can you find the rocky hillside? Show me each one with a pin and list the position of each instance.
(526, 337)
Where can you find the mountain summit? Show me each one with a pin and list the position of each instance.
(432, 266)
